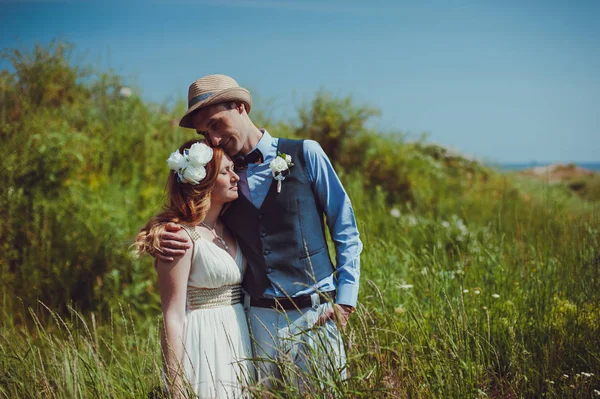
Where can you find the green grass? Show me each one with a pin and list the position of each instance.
(474, 284)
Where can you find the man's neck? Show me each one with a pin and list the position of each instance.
(253, 138)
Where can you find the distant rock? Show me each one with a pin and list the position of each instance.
(557, 172)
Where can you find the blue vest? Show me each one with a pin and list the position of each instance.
(284, 240)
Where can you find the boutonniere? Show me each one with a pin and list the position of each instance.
(280, 166)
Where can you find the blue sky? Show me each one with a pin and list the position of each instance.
(506, 81)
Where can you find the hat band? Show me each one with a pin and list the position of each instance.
(201, 97)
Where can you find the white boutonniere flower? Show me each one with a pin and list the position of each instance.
(280, 167)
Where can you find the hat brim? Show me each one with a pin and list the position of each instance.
(232, 94)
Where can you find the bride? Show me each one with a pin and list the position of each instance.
(205, 343)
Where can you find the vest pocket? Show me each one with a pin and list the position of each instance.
(312, 253)
(316, 265)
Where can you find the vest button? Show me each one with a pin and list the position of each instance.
(267, 251)
(261, 216)
(270, 270)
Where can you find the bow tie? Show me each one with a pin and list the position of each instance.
(241, 161)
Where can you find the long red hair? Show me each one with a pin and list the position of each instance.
(186, 203)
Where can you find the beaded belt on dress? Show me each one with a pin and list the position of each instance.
(207, 298)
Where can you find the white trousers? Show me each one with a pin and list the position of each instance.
(290, 349)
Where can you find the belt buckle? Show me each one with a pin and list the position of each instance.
(315, 300)
(246, 300)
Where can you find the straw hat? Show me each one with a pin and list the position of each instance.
(213, 89)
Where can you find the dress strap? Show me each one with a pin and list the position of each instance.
(192, 232)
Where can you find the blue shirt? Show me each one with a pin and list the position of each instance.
(254, 184)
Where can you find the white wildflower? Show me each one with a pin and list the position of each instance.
(495, 296)
(395, 212)
(466, 291)
(405, 286)
(445, 224)
(411, 220)
(125, 92)
(461, 226)
(476, 292)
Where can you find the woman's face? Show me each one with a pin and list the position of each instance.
(225, 188)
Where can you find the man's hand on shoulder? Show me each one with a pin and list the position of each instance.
(172, 245)
(339, 313)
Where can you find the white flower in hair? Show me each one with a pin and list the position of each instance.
(193, 175)
(176, 161)
(191, 165)
(200, 154)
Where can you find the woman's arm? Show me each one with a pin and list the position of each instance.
(172, 282)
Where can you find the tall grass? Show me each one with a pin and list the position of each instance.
(473, 283)
(73, 356)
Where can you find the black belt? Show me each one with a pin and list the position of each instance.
(297, 302)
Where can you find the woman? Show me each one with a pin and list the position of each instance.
(205, 341)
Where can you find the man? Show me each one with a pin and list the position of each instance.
(278, 221)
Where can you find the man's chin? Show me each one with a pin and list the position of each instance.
(232, 148)
(231, 151)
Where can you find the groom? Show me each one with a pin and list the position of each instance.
(290, 280)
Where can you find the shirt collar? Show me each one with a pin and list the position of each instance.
(265, 144)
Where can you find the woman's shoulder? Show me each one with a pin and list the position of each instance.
(188, 232)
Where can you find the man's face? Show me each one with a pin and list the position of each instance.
(223, 127)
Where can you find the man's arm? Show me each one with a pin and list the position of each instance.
(172, 244)
(342, 225)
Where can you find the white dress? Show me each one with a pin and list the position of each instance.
(216, 340)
